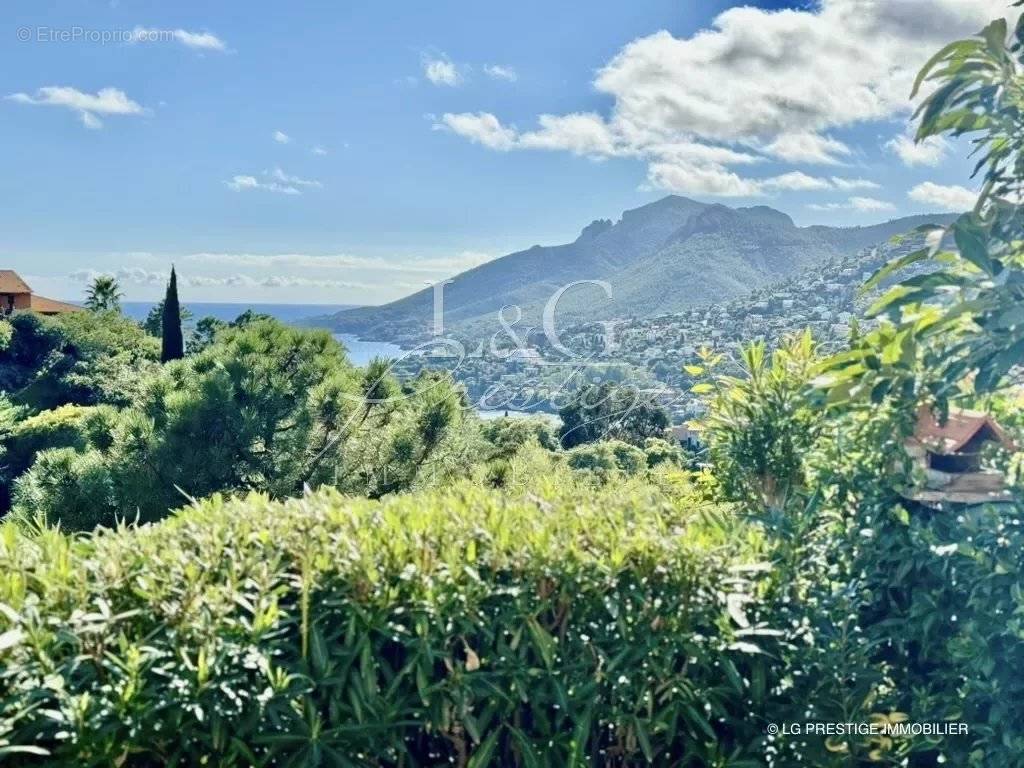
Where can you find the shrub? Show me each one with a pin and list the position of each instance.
(507, 435)
(265, 408)
(611, 411)
(6, 334)
(608, 459)
(659, 451)
(68, 487)
(759, 426)
(945, 613)
(62, 427)
(466, 627)
(67, 426)
(86, 358)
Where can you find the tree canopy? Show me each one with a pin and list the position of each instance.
(266, 407)
(611, 411)
(103, 295)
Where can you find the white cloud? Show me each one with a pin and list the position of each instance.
(203, 41)
(278, 175)
(805, 147)
(948, 198)
(251, 182)
(444, 265)
(271, 281)
(870, 204)
(132, 275)
(861, 204)
(713, 178)
(289, 276)
(441, 71)
(851, 184)
(796, 180)
(582, 133)
(930, 151)
(318, 150)
(281, 137)
(787, 72)
(90, 121)
(272, 181)
(776, 82)
(142, 277)
(481, 127)
(694, 152)
(107, 101)
(700, 178)
(500, 72)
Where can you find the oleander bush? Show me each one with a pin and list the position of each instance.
(469, 627)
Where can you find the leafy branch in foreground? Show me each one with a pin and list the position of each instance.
(964, 318)
(759, 424)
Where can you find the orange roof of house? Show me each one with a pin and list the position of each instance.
(959, 429)
(11, 282)
(51, 306)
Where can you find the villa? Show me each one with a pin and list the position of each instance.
(17, 296)
(949, 456)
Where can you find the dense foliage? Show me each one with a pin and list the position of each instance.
(430, 629)
(577, 599)
(154, 321)
(611, 411)
(265, 408)
(962, 319)
(85, 358)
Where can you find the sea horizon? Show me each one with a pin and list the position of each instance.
(229, 310)
(360, 351)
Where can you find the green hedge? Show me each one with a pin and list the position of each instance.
(461, 628)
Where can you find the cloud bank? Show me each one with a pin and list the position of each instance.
(948, 198)
(794, 77)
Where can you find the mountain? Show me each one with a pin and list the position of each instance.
(663, 257)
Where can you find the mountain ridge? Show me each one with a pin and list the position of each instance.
(662, 257)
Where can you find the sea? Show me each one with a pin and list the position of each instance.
(360, 352)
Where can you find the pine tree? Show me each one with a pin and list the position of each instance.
(173, 345)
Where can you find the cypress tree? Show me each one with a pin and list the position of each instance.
(172, 345)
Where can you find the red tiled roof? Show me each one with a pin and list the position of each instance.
(959, 429)
(51, 306)
(11, 282)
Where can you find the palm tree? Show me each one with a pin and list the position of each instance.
(104, 295)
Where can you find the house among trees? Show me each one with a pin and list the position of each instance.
(687, 437)
(950, 456)
(16, 296)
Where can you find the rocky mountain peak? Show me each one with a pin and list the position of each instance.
(595, 228)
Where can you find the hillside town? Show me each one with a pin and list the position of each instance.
(649, 354)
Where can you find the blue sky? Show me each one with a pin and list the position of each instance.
(348, 152)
